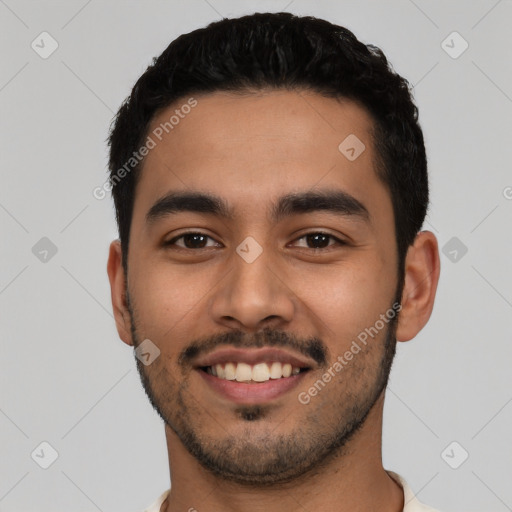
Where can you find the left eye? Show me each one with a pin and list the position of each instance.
(320, 237)
(196, 240)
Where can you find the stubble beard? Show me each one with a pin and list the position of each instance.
(259, 456)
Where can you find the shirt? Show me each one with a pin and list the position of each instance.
(411, 503)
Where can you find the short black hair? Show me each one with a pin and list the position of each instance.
(281, 51)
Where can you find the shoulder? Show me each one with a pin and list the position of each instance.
(155, 507)
(411, 503)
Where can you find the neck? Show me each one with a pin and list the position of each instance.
(354, 480)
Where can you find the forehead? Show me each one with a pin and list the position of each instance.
(249, 147)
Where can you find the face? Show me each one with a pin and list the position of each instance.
(296, 266)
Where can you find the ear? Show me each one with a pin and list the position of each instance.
(422, 269)
(116, 277)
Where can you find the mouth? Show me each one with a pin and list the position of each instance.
(252, 376)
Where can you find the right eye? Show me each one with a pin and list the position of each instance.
(192, 240)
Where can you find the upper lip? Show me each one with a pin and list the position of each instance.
(252, 356)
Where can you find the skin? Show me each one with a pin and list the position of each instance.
(249, 150)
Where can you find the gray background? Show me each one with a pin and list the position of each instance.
(67, 379)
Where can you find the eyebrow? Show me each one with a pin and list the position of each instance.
(335, 201)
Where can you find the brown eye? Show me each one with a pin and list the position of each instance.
(191, 240)
(320, 240)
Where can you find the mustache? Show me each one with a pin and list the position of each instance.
(311, 347)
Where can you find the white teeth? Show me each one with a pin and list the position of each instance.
(261, 372)
(219, 371)
(276, 371)
(287, 370)
(243, 372)
(230, 371)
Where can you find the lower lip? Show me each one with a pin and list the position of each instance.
(243, 393)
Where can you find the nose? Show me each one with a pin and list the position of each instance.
(254, 295)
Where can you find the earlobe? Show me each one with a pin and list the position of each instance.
(422, 269)
(117, 280)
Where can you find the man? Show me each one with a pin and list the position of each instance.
(270, 182)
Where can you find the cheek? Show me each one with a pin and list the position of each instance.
(347, 298)
(164, 298)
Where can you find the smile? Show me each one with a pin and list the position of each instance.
(260, 372)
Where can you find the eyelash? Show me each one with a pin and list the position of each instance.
(171, 242)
